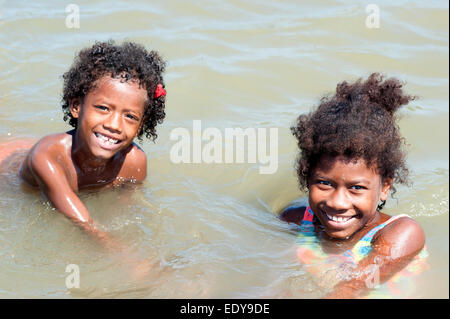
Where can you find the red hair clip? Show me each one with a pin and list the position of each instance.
(159, 91)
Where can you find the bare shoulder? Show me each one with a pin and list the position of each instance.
(295, 211)
(405, 234)
(51, 153)
(51, 143)
(54, 148)
(135, 164)
(293, 214)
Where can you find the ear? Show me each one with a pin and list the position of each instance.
(386, 187)
(75, 107)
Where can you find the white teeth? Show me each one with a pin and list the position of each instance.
(106, 139)
(338, 219)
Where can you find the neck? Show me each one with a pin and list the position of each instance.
(85, 162)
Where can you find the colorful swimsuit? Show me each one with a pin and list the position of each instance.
(329, 269)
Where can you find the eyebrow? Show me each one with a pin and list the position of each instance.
(319, 176)
(360, 181)
(132, 111)
(355, 181)
(105, 101)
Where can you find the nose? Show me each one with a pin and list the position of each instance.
(113, 123)
(339, 199)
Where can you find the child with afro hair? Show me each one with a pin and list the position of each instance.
(351, 154)
(112, 94)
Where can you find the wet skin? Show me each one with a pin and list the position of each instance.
(99, 153)
(344, 196)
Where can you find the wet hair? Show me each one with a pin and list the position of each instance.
(127, 62)
(357, 122)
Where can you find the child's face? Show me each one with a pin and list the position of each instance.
(110, 116)
(345, 195)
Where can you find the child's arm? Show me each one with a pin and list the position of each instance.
(53, 182)
(392, 250)
(51, 177)
(45, 166)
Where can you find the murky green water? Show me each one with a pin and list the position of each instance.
(214, 227)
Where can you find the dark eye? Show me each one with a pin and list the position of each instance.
(326, 183)
(358, 187)
(102, 107)
(132, 117)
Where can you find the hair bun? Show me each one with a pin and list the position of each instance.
(387, 94)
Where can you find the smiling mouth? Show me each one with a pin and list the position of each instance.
(338, 219)
(106, 139)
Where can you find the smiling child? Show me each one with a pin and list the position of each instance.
(112, 94)
(350, 157)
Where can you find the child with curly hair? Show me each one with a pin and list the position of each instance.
(112, 94)
(350, 156)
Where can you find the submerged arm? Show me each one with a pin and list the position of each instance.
(54, 184)
(391, 251)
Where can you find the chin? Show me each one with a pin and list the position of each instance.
(340, 235)
(102, 154)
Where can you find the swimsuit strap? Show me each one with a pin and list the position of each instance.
(364, 246)
(308, 216)
(369, 236)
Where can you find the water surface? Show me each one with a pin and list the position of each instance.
(214, 228)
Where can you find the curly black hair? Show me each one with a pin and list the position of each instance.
(128, 61)
(358, 121)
